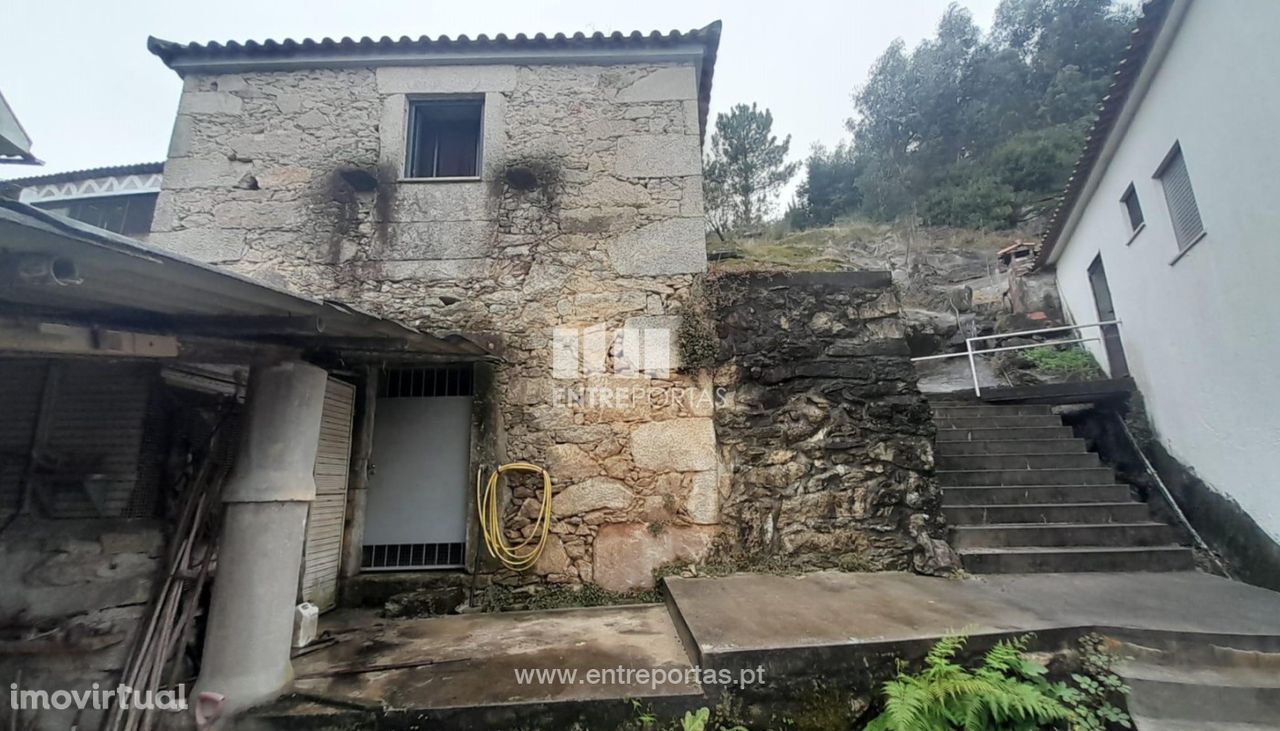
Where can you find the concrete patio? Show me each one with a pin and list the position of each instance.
(461, 670)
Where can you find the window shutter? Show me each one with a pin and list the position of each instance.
(1182, 200)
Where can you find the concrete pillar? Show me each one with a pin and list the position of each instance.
(246, 649)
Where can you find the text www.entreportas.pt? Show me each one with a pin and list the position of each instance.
(651, 677)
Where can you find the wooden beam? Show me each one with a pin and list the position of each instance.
(55, 338)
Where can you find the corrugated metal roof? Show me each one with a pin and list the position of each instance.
(214, 57)
(129, 283)
(137, 168)
(1135, 56)
(15, 143)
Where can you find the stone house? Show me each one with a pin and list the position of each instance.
(530, 190)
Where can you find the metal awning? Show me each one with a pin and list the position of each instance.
(99, 278)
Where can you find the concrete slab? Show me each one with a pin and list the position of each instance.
(791, 623)
(471, 661)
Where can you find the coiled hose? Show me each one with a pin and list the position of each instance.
(524, 555)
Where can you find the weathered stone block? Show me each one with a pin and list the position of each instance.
(658, 156)
(703, 503)
(597, 493)
(436, 240)
(454, 201)
(210, 245)
(445, 79)
(180, 173)
(680, 445)
(627, 554)
(210, 102)
(569, 462)
(673, 83)
(673, 246)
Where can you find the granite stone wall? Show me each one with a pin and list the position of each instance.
(76, 593)
(829, 440)
(587, 216)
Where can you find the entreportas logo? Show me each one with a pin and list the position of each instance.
(629, 352)
(628, 369)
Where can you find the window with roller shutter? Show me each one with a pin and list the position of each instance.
(1181, 198)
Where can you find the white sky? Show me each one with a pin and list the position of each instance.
(79, 77)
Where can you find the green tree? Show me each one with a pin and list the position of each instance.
(745, 169)
(968, 130)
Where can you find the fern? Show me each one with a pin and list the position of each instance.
(1007, 692)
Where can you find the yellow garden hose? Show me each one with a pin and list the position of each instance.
(525, 555)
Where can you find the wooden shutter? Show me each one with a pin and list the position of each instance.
(1183, 208)
(323, 553)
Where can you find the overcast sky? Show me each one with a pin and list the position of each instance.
(79, 76)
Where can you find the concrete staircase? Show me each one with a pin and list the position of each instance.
(1191, 682)
(1023, 495)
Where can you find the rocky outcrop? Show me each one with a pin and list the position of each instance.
(827, 436)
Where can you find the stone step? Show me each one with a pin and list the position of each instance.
(996, 422)
(1017, 461)
(991, 478)
(1075, 559)
(1204, 694)
(950, 411)
(1005, 434)
(1026, 446)
(998, 535)
(1091, 513)
(1034, 494)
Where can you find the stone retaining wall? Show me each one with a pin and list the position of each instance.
(76, 592)
(829, 440)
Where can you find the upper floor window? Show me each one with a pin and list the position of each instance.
(1173, 176)
(1132, 208)
(123, 214)
(444, 138)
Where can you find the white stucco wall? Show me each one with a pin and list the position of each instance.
(1201, 332)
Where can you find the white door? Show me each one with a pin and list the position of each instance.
(416, 516)
(323, 553)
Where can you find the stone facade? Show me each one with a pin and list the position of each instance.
(830, 441)
(76, 592)
(296, 177)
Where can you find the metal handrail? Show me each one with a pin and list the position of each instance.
(971, 354)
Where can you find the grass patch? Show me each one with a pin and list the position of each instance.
(1066, 363)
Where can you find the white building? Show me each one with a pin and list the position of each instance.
(1173, 209)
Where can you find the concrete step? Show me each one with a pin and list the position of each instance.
(1091, 513)
(1204, 694)
(1075, 559)
(1144, 723)
(1069, 445)
(997, 535)
(988, 478)
(1005, 434)
(1017, 461)
(951, 411)
(996, 422)
(1034, 494)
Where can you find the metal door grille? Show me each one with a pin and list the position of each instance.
(386, 557)
(426, 382)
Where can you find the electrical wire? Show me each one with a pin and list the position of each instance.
(524, 555)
